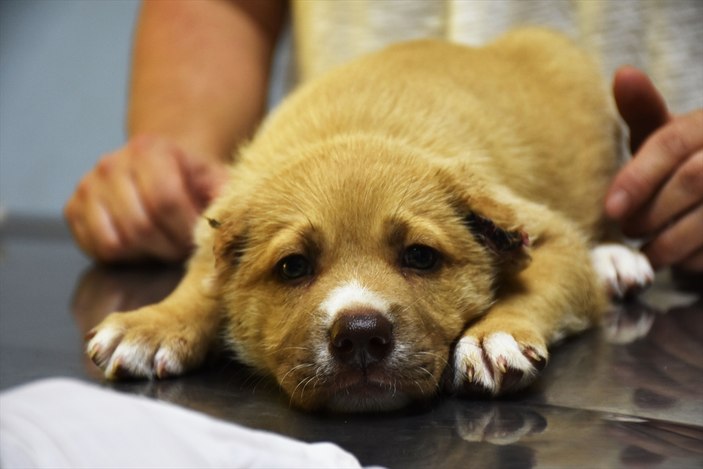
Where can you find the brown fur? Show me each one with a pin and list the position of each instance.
(394, 149)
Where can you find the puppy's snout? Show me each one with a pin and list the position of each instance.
(360, 338)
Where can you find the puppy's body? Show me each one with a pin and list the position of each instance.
(424, 211)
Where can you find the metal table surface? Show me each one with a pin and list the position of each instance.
(627, 394)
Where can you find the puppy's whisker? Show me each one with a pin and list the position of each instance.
(318, 381)
(433, 379)
(418, 386)
(441, 358)
(308, 381)
(292, 347)
(295, 368)
(300, 383)
(257, 380)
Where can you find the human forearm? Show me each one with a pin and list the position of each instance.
(200, 71)
(199, 82)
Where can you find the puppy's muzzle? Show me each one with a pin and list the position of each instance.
(361, 338)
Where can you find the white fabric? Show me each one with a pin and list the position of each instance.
(65, 423)
(662, 37)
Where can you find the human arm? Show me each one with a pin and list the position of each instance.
(198, 87)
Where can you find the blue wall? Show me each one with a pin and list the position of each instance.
(63, 83)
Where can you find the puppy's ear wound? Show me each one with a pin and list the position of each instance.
(507, 245)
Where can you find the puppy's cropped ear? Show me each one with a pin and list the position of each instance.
(229, 242)
(498, 240)
(508, 246)
(221, 244)
(496, 226)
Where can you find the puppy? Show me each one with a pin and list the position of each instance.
(427, 214)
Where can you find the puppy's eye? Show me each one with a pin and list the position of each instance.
(420, 257)
(294, 267)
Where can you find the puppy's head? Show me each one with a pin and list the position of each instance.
(350, 274)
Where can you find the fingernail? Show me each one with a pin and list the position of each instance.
(617, 204)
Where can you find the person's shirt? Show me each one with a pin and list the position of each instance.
(663, 38)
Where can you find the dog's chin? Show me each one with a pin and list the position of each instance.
(357, 392)
(367, 397)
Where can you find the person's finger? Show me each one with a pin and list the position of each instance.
(660, 155)
(693, 263)
(677, 243)
(681, 192)
(640, 104)
(139, 234)
(74, 213)
(164, 193)
(103, 241)
(90, 223)
(80, 233)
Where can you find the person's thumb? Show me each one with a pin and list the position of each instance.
(205, 178)
(640, 104)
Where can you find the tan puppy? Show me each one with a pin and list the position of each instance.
(425, 211)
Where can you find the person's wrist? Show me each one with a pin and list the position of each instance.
(198, 150)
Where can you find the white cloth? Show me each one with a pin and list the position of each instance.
(663, 38)
(65, 423)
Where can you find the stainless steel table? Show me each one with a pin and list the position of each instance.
(627, 394)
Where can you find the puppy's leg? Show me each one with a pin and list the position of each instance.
(556, 295)
(164, 339)
(621, 269)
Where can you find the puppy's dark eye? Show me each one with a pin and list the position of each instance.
(420, 257)
(294, 267)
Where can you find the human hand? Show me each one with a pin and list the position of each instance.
(142, 201)
(658, 195)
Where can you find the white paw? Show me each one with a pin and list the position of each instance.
(622, 270)
(119, 356)
(145, 344)
(496, 364)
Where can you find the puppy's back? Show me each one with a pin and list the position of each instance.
(529, 111)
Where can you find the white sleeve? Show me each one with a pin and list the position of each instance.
(66, 423)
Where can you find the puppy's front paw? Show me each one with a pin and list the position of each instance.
(146, 343)
(496, 363)
(622, 270)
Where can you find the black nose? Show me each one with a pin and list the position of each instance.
(360, 338)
